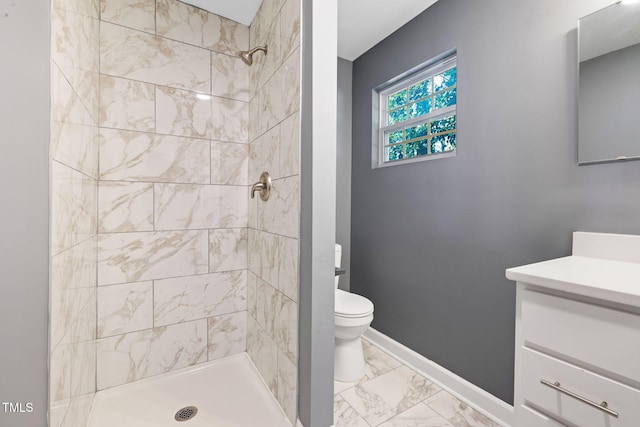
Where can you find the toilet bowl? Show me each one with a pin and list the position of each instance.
(353, 315)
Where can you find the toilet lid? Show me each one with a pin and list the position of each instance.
(352, 305)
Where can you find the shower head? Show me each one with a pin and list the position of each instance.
(247, 55)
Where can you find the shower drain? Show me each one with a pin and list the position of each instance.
(185, 414)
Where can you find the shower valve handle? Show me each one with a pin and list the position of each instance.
(263, 186)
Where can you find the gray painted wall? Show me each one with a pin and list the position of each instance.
(609, 94)
(343, 168)
(24, 181)
(431, 240)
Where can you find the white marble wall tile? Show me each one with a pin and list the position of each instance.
(76, 267)
(136, 156)
(290, 146)
(458, 413)
(252, 294)
(229, 120)
(81, 7)
(73, 207)
(264, 66)
(263, 256)
(229, 163)
(76, 146)
(418, 416)
(390, 394)
(290, 27)
(264, 18)
(179, 21)
(268, 301)
(345, 416)
(135, 257)
(57, 412)
(288, 267)
(264, 354)
(183, 113)
(73, 280)
(255, 112)
(83, 368)
(125, 308)
(85, 86)
(287, 386)
(137, 14)
(185, 23)
(197, 297)
(227, 335)
(253, 212)
(264, 155)
(125, 358)
(281, 213)
(190, 206)
(287, 328)
(140, 56)
(79, 411)
(66, 105)
(60, 373)
(229, 77)
(125, 206)
(65, 307)
(227, 249)
(281, 96)
(74, 40)
(83, 327)
(126, 104)
(225, 36)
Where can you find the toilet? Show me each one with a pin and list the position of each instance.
(353, 315)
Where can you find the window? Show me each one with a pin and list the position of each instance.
(417, 116)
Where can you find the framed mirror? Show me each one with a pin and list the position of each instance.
(609, 84)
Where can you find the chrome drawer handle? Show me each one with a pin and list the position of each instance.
(602, 406)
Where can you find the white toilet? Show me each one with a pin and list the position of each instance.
(353, 315)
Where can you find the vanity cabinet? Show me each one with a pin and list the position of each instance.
(577, 355)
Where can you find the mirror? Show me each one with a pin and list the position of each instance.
(609, 84)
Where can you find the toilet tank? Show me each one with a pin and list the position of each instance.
(338, 259)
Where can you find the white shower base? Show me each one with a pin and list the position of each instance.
(228, 393)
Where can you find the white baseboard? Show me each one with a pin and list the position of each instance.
(471, 394)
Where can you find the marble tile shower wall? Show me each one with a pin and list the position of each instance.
(73, 204)
(159, 258)
(274, 133)
(172, 195)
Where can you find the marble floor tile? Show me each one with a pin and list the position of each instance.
(377, 361)
(340, 386)
(418, 416)
(458, 413)
(390, 394)
(345, 416)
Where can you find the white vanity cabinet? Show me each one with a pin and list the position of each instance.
(577, 355)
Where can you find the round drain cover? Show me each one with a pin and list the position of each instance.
(185, 414)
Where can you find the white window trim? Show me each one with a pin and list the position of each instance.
(380, 115)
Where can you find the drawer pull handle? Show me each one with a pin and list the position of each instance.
(604, 407)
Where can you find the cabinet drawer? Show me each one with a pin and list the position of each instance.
(527, 417)
(582, 332)
(620, 398)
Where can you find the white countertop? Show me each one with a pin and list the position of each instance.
(614, 281)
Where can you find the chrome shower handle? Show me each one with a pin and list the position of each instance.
(263, 186)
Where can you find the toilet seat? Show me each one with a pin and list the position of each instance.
(350, 305)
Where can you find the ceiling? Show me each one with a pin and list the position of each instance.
(361, 23)
(364, 23)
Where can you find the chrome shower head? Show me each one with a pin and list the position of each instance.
(247, 55)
